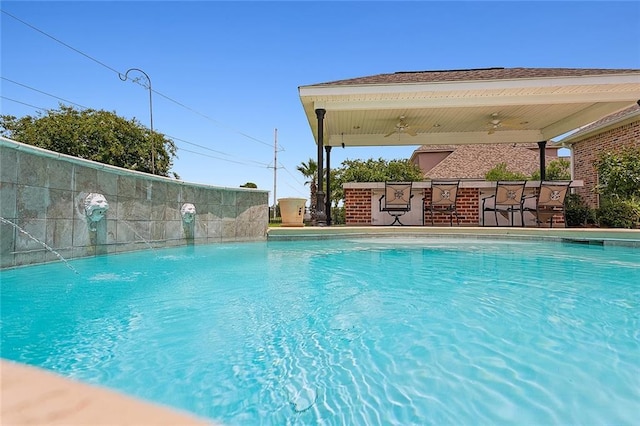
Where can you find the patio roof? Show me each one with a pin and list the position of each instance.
(492, 105)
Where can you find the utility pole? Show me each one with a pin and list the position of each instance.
(275, 170)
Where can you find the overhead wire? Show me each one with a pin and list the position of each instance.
(59, 41)
(291, 174)
(22, 103)
(136, 81)
(221, 159)
(256, 163)
(247, 162)
(44, 93)
(217, 122)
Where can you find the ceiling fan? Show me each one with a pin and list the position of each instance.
(496, 123)
(402, 127)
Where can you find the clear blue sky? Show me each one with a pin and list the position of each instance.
(235, 67)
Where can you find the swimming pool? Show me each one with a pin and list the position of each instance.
(362, 331)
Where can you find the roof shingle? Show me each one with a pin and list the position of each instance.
(475, 74)
(474, 161)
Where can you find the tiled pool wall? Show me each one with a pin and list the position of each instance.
(43, 193)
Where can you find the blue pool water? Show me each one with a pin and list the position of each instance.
(358, 332)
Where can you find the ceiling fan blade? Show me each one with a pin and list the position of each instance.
(492, 131)
(410, 131)
(389, 134)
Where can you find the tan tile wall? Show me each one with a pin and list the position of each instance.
(43, 193)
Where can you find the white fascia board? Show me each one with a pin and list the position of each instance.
(477, 101)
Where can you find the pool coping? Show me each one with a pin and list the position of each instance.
(34, 396)
(596, 236)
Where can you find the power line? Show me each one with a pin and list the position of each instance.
(135, 81)
(211, 119)
(296, 189)
(257, 163)
(221, 159)
(44, 93)
(23, 103)
(195, 144)
(84, 107)
(290, 174)
(59, 41)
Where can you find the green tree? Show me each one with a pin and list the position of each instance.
(619, 188)
(558, 169)
(96, 135)
(371, 170)
(500, 172)
(310, 171)
(619, 173)
(249, 185)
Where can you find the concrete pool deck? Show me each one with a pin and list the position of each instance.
(598, 236)
(32, 396)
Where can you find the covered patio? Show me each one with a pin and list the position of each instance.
(455, 107)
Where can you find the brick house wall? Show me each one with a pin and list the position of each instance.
(587, 151)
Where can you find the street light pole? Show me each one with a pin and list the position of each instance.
(125, 77)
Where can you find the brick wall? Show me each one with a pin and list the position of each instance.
(586, 152)
(358, 207)
(468, 208)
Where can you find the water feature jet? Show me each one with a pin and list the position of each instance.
(95, 208)
(188, 213)
(43, 244)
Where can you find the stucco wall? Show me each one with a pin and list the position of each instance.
(43, 193)
(587, 151)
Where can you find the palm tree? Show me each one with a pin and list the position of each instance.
(310, 171)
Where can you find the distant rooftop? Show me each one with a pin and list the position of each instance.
(474, 161)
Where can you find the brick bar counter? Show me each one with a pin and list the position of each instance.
(362, 205)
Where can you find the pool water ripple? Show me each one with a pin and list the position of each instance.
(346, 332)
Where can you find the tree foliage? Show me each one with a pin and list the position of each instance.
(577, 212)
(249, 185)
(96, 135)
(557, 169)
(619, 173)
(310, 171)
(371, 170)
(501, 172)
(619, 188)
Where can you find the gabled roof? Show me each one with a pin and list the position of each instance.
(474, 161)
(613, 120)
